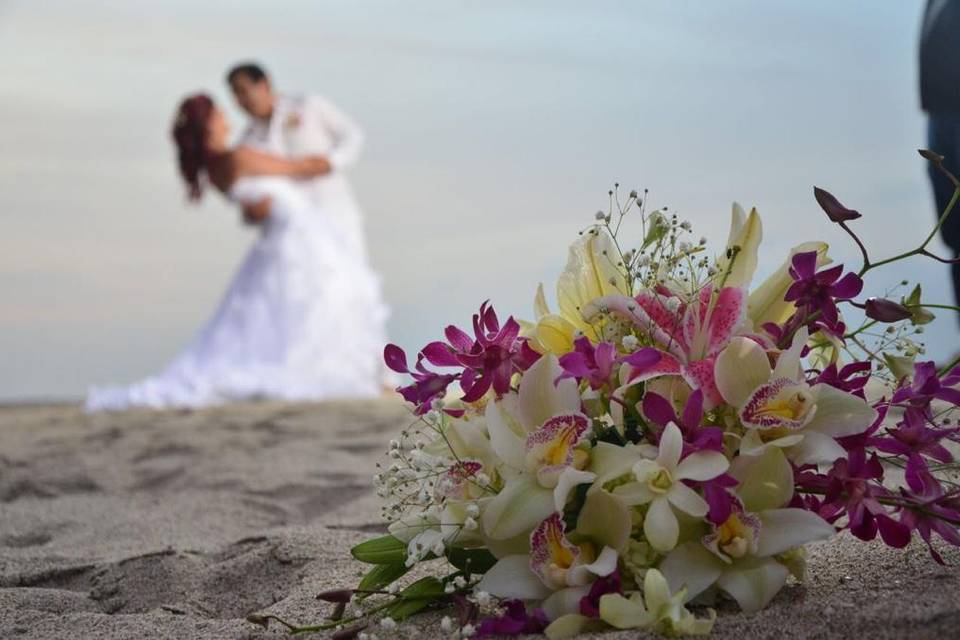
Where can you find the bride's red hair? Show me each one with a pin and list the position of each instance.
(190, 136)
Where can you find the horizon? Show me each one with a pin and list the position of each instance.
(493, 133)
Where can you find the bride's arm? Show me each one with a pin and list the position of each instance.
(250, 162)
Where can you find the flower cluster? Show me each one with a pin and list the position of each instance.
(674, 433)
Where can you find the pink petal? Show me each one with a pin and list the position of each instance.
(458, 338)
(708, 335)
(699, 375)
(395, 358)
(666, 366)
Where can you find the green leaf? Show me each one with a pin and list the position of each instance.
(471, 560)
(382, 575)
(384, 550)
(415, 598)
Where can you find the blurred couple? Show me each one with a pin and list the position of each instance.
(303, 318)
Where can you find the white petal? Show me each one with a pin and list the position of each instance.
(569, 626)
(511, 578)
(671, 446)
(610, 461)
(506, 443)
(766, 481)
(840, 414)
(656, 590)
(569, 478)
(605, 519)
(623, 613)
(604, 565)
(660, 525)
(783, 529)
(564, 602)
(634, 493)
(816, 448)
(740, 369)
(702, 465)
(540, 398)
(540, 307)
(751, 444)
(753, 586)
(788, 363)
(746, 233)
(518, 508)
(687, 500)
(690, 565)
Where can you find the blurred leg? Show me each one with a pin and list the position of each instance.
(944, 138)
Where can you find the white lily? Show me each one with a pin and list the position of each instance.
(659, 483)
(536, 433)
(779, 409)
(591, 272)
(737, 266)
(740, 556)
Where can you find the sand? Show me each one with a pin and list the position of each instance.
(179, 524)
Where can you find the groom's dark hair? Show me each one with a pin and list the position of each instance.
(251, 70)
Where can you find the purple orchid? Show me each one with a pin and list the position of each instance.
(428, 385)
(854, 487)
(514, 621)
(851, 378)
(935, 510)
(915, 397)
(912, 437)
(597, 364)
(489, 359)
(812, 291)
(660, 412)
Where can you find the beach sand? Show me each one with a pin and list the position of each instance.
(179, 524)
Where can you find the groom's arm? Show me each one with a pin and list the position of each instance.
(347, 135)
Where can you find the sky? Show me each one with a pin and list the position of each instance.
(495, 130)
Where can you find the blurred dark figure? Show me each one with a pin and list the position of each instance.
(940, 98)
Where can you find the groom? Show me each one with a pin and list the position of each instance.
(294, 126)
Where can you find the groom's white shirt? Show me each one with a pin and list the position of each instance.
(312, 125)
(308, 125)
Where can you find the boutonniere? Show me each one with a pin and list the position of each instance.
(292, 121)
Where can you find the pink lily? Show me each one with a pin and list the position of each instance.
(689, 335)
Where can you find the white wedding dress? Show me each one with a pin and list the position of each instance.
(303, 319)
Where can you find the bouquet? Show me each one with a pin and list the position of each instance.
(671, 435)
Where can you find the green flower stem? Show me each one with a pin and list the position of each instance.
(947, 367)
(922, 248)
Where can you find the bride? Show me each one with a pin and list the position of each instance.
(303, 318)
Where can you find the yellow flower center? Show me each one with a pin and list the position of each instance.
(660, 481)
(734, 537)
(559, 447)
(790, 404)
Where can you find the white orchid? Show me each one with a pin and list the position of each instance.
(555, 571)
(740, 556)
(659, 483)
(537, 435)
(655, 609)
(779, 409)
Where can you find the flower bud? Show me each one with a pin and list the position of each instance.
(834, 210)
(885, 310)
(336, 595)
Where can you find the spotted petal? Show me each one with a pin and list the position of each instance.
(710, 321)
